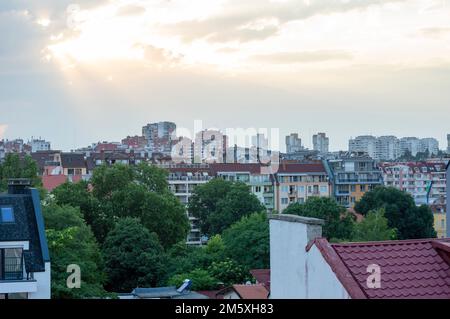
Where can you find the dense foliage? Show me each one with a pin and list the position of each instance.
(219, 203)
(401, 212)
(133, 257)
(338, 223)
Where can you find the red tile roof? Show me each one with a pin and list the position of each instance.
(252, 168)
(257, 291)
(50, 182)
(301, 168)
(262, 276)
(409, 268)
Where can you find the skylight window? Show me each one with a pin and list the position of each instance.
(6, 215)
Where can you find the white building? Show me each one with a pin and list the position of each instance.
(410, 144)
(305, 266)
(293, 143)
(321, 143)
(39, 145)
(182, 181)
(430, 144)
(24, 256)
(363, 144)
(387, 148)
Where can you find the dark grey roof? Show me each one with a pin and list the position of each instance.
(73, 160)
(166, 293)
(28, 226)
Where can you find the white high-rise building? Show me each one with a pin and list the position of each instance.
(411, 144)
(293, 143)
(387, 148)
(363, 144)
(430, 144)
(321, 143)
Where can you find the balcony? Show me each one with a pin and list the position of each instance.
(12, 276)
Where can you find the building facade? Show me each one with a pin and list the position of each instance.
(24, 257)
(295, 183)
(293, 143)
(321, 143)
(425, 181)
(183, 179)
(160, 136)
(352, 176)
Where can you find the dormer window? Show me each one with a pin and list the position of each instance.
(6, 215)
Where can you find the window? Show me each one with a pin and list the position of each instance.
(353, 188)
(11, 265)
(362, 188)
(324, 189)
(301, 189)
(284, 201)
(285, 189)
(6, 215)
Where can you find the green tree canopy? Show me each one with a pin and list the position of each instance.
(374, 227)
(219, 203)
(338, 223)
(401, 212)
(71, 241)
(247, 241)
(128, 191)
(228, 272)
(201, 280)
(133, 257)
(15, 167)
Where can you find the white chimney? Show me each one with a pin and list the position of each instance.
(289, 237)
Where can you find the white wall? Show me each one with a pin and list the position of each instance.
(295, 273)
(43, 284)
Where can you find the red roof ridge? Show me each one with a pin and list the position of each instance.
(343, 274)
(391, 242)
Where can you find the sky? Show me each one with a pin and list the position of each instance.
(81, 71)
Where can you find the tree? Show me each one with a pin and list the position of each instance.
(219, 203)
(228, 272)
(79, 195)
(183, 258)
(15, 167)
(247, 241)
(123, 191)
(401, 212)
(72, 242)
(201, 280)
(133, 256)
(374, 227)
(338, 223)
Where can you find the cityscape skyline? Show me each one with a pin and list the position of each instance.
(306, 142)
(95, 70)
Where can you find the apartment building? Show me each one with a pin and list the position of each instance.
(296, 182)
(160, 136)
(352, 176)
(448, 143)
(260, 182)
(210, 146)
(390, 148)
(293, 143)
(39, 145)
(182, 179)
(425, 181)
(24, 256)
(321, 143)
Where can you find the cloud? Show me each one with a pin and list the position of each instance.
(130, 10)
(231, 23)
(435, 33)
(301, 57)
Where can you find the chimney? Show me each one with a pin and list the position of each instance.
(18, 185)
(289, 237)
